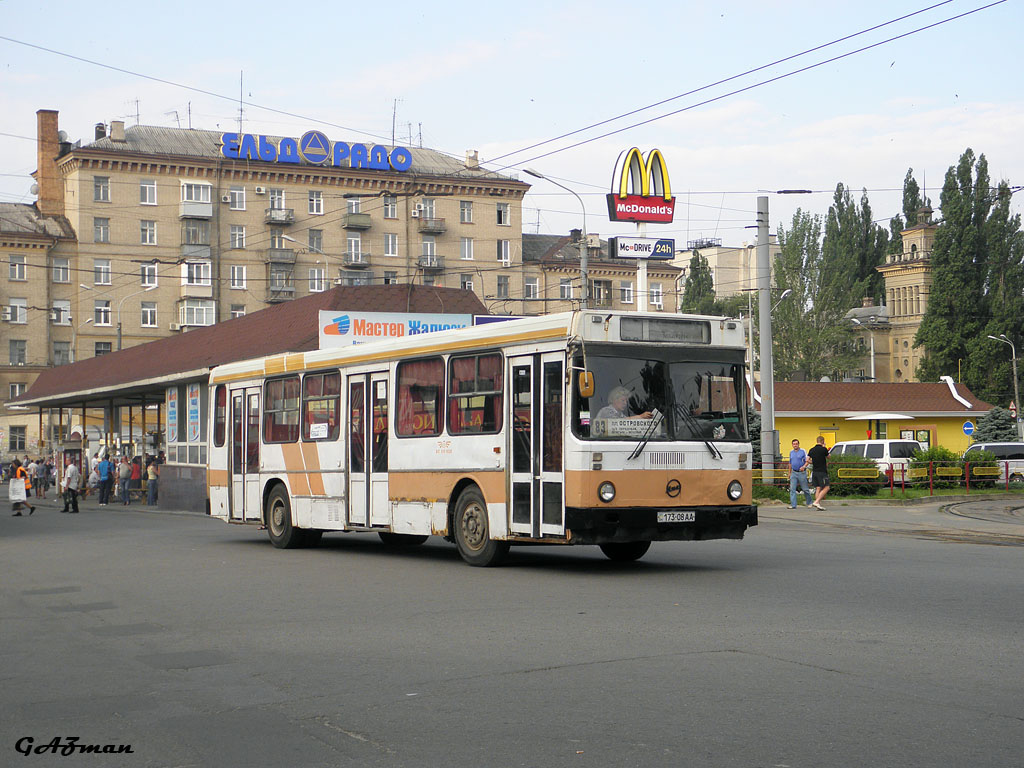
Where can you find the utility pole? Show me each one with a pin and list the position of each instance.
(769, 438)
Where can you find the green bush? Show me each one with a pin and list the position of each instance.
(938, 456)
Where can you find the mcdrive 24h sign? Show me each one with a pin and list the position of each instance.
(640, 189)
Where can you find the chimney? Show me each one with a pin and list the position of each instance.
(868, 301)
(117, 130)
(472, 158)
(51, 188)
(101, 131)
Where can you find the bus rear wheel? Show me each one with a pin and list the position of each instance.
(402, 539)
(625, 552)
(283, 534)
(472, 532)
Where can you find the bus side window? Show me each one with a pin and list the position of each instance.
(420, 385)
(281, 410)
(475, 391)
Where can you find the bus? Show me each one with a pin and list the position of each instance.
(589, 427)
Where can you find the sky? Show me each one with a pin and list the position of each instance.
(501, 78)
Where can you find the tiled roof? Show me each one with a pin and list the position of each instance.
(186, 142)
(292, 326)
(846, 399)
(25, 219)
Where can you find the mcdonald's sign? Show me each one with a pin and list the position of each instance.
(640, 189)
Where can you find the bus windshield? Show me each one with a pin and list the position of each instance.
(667, 395)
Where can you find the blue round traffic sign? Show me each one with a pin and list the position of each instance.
(968, 427)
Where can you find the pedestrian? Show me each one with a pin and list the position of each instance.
(105, 469)
(136, 479)
(124, 476)
(72, 479)
(20, 473)
(152, 481)
(43, 477)
(29, 465)
(819, 471)
(798, 474)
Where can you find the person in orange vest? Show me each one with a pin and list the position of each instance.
(19, 471)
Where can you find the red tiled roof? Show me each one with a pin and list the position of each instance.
(292, 326)
(843, 397)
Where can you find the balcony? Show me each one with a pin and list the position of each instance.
(279, 216)
(191, 209)
(279, 293)
(279, 256)
(195, 251)
(430, 261)
(356, 221)
(356, 259)
(432, 226)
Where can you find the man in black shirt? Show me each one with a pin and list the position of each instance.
(819, 471)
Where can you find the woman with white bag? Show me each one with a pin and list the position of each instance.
(20, 485)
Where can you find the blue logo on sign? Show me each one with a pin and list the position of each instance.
(315, 147)
(339, 326)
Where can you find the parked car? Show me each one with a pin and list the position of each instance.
(1008, 454)
(887, 454)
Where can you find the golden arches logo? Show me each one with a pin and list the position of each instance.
(647, 178)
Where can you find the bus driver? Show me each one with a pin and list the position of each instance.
(618, 406)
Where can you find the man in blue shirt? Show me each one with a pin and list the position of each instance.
(798, 474)
(106, 471)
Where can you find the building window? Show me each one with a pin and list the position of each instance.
(238, 276)
(16, 440)
(426, 207)
(277, 238)
(466, 282)
(280, 277)
(17, 389)
(316, 241)
(61, 312)
(601, 293)
(197, 273)
(390, 277)
(61, 270)
(101, 271)
(504, 251)
(195, 232)
(657, 295)
(316, 202)
(196, 312)
(390, 207)
(147, 275)
(565, 288)
(101, 312)
(17, 267)
(147, 192)
(465, 211)
(237, 310)
(149, 314)
(101, 348)
(353, 204)
(238, 236)
(19, 351)
(355, 244)
(504, 215)
(147, 232)
(429, 245)
(466, 248)
(530, 288)
(18, 310)
(277, 199)
(390, 244)
(196, 193)
(316, 280)
(100, 230)
(626, 291)
(502, 286)
(101, 189)
(356, 278)
(61, 352)
(237, 197)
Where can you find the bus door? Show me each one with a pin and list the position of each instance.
(536, 426)
(245, 503)
(367, 427)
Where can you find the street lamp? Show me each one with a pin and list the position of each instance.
(785, 293)
(1016, 393)
(121, 304)
(584, 289)
(309, 246)
(872, 335)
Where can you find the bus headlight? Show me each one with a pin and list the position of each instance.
(606, 491)
(735, 490)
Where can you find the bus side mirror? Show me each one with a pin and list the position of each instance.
(586, 384)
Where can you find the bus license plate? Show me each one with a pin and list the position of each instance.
(677, 517)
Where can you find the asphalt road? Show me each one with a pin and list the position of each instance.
(859, 637)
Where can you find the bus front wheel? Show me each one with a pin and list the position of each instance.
(472, 532)
(625, 552)
(283, 534)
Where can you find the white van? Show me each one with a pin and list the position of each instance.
(885, 453)
(1011, 454)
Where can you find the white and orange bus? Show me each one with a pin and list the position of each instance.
(607, 428)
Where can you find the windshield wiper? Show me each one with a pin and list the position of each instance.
(697, 429)
(655, 423)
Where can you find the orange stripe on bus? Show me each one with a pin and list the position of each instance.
(293, 464)
(314, 478)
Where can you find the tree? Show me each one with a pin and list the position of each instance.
(852, 248)
(912, 205)
(699, 290)
(995, 426)
(811, 337)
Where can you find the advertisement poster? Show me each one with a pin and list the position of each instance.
(342, 329)
(193, 413)
(172, 414)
